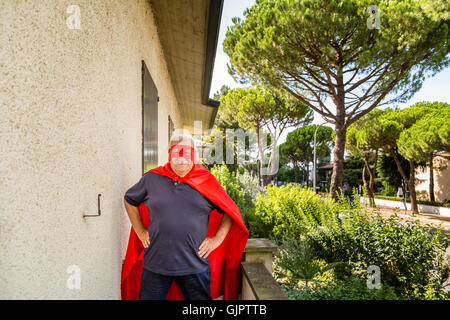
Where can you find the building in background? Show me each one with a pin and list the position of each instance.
(441, 179)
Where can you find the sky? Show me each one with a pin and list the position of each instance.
(436, 88)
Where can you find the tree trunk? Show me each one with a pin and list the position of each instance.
(338, 161)
(295, 173)
(307, 174)
(404, 194)
(372, 173)
(305, 178)
(267, 178)
(261, 156)
(431, 180)
(412, 187)
(273, 156)
(370, 190)
(364, 177)
(410, 181)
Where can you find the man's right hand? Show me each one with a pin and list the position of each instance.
(144, 237)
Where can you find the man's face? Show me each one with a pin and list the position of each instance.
(181, 157)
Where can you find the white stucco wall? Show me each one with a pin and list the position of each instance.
(441, 175)
(70, 126)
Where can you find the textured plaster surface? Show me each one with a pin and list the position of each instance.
(70, 127)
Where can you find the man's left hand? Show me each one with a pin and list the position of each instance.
(208, 245)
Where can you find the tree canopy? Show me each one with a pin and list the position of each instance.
(267, 108)
(365, 138)
(299, 145)
(325, 49)
(427, 136)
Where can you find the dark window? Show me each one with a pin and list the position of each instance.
(171, 128)
(149, 121)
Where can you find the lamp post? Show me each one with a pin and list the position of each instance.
(314, 164)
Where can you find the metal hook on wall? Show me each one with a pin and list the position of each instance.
(99, 212)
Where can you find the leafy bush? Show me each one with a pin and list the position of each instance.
(242, 188)
(250, 185)
(305, 277)
(251, 188)
(422, 195)
(295, 261)
(317, 237)
(350, 289)
(231, 185)
(288, 210)
(332, 243)
(410, 255)
(388, 190)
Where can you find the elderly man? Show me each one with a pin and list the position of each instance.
(176, 246)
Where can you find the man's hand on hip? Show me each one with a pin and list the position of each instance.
(208, 245)
(144, 237)
(211, 243)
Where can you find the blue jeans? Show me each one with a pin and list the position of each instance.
(155, 286)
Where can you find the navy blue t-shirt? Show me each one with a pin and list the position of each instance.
(179, 221)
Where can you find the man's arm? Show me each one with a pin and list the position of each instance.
(211, 243)
(136, 222)
(224, 227)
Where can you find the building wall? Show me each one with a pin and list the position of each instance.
(70, 121)
(441, 180)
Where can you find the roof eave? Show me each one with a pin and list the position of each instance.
(214, 18)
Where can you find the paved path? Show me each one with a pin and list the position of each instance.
(423, 218)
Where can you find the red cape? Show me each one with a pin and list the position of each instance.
(224, 260)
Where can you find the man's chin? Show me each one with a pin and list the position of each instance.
(183, 168)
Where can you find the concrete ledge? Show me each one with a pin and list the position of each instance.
(259, 283)
(260, 250)
(260, 245)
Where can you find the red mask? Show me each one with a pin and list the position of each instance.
(182, 151)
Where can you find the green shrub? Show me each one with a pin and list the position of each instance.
(242, 188)
(388, 190)
(231, 185)
(290, 210)
(250, 185)
(295, 261)
(350, 289)
(305, 277)
(410, 255)
(345, 238)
